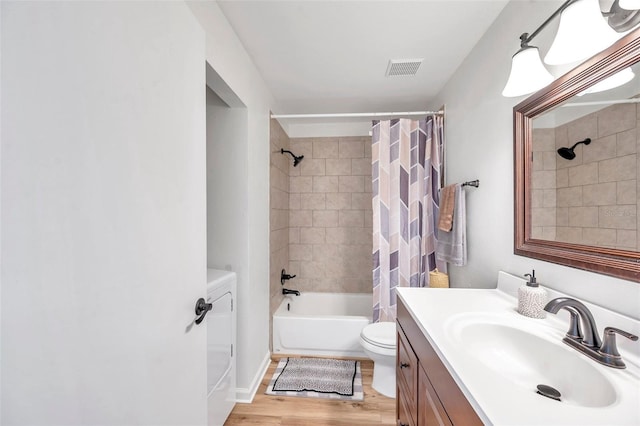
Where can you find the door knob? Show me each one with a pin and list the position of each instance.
(202, 307)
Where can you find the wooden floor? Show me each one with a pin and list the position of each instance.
(267, 410)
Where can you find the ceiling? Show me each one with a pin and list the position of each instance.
(331, 56)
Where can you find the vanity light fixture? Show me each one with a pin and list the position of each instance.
(527, 72)
(583, 32)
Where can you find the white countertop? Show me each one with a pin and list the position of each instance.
(497, 393)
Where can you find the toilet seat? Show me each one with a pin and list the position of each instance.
(381, 335)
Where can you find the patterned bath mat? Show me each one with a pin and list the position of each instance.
(317, 378)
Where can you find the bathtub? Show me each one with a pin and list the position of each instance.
(326, 324)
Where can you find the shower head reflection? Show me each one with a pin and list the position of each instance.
(568, 153)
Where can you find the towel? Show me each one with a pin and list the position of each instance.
(447, 207)
(452, 246)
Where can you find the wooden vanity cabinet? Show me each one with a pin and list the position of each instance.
(426, 394)
(406, 382)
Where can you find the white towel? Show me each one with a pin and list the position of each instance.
(452, 246)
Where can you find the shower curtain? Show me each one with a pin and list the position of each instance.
(407, 173)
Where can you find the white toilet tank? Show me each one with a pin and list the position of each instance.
(221, 342)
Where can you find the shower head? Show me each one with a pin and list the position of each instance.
(296, 159)
(568, 154)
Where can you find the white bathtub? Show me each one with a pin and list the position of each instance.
(326, 324)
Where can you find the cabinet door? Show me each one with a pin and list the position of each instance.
(406, 364)
(430, 410)
(402, 409)
(445, 393)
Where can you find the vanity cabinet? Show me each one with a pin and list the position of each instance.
(406, 382)
(426, 394)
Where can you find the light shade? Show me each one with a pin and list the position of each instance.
(618, 79)
(583, 32)
(527, 73)
(629, 4)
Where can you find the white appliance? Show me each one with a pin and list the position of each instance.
(221, 342)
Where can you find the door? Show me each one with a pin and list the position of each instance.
(103, 213)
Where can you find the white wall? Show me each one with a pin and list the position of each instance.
(103, 213)
(297, 128)
(479, 145)
(227, 178)
(226, 55)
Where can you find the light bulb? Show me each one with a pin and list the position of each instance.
(582, 33)
(527, 73)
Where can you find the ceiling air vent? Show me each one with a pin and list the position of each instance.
(403, 67)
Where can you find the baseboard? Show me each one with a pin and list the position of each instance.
(245, 395)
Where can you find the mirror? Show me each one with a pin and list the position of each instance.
(577, 167)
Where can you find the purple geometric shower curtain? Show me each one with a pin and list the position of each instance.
(407, 169)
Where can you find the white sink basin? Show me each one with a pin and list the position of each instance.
(528, 360)
(498, 357)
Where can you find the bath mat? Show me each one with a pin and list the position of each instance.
(317, 378)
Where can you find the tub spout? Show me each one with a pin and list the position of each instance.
(287, 291)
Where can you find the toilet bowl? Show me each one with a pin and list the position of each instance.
(378, 341)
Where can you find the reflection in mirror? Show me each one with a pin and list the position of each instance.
(589, 194)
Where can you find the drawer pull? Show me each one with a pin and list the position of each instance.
(404, 365)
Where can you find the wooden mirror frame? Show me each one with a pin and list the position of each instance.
(623, 264)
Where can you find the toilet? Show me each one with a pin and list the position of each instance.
(379, 343)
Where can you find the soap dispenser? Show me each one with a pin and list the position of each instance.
(532, 298)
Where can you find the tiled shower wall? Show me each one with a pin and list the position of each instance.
(279, 214)
(330, 215)
(543, 185)
(591, 199)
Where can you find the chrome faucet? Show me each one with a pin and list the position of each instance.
(589, 343)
